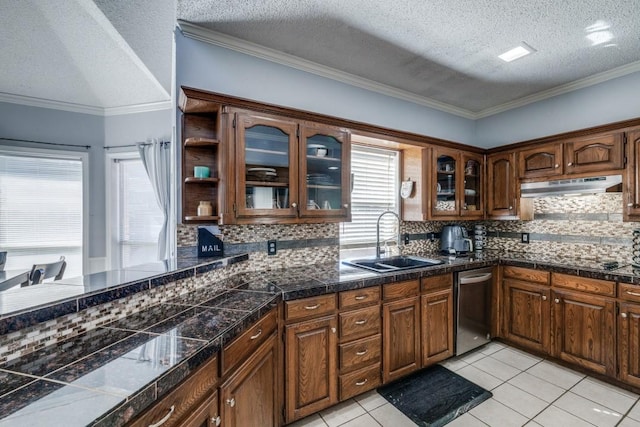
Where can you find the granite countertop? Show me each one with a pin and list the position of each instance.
(112, 373)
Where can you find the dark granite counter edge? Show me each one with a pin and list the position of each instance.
(29, 317)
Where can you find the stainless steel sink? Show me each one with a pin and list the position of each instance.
(383, 265)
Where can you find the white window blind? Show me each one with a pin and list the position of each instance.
(375, 190)
(41, 210)
(138, 217)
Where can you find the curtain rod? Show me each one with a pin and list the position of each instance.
(109, 147)
(45, 143)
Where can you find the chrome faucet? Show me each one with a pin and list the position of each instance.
(378, 231)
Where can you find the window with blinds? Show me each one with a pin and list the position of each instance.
(138, 217)
(375, 190)
(41, 209)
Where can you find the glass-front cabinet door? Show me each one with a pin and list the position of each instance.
(473, 183)
(266, 167)
(324, 172)
(445, 189)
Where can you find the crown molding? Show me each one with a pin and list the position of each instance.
(206, 35)
(562, 89)
(84, 109)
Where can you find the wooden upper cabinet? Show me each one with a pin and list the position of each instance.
(594, 154)
(631, 200)
(543, 161)
(502, 188)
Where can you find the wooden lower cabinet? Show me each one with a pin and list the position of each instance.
(249, 396)
(584, 330)
(629, 343)
(206, 415)
(400, 338)
(311, 372)
(437, 326)
(527, 314)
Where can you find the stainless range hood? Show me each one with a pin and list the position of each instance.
(575, 186)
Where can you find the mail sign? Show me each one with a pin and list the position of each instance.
(210, 242)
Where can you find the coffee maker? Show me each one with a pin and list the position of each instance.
(454, 239)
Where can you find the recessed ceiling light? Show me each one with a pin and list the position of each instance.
(517, 52)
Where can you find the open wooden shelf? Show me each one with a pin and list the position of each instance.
(194, 180)
(204, 218)
(266, 184)
(200, 142)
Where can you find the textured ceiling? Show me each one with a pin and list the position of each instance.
(440, 50)
(94, 55)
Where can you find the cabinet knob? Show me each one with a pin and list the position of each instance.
(231, 402)
(557, 166)
(623, 315)
(216, 420)
(294, 205)
(346, 205)
(510, 207)
(333, 330)
(557, 300)
(570, 164)
(629, 205)
(544, 297)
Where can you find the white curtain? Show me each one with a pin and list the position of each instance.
(156, 158)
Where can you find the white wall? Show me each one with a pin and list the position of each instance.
(204, 66)
(607, 102)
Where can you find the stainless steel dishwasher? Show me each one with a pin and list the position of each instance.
(473, 308)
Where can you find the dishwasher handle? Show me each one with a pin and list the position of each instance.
(475, 279)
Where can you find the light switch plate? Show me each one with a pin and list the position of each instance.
(524, 237)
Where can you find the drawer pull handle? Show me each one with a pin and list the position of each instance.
(635, 294)
(253, 337)
(624, 315)
(360, 297)
(231, 402)
(166, 417)
(361, 383)
(361, 352)
(311, 307)
(360, 322)
(216, 421)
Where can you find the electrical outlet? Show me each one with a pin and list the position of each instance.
(272, 248)
(524, 237)
(405, 238)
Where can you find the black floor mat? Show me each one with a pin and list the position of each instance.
(434, 396)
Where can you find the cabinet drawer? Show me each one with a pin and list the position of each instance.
(400, 290)
(594, 286)
(183, 400)
(359, 323)
(242, 346)
(359, 297)
(310, 307)
(360, 381)
(526, 274)
(629, 292)
(437, 282)
(360, 353)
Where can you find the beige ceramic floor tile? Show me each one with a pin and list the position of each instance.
(454, 364)
(479, 377)
(491, 348)
(370, 400)
(516, 358)
(635, 412)
(311, 421)
(341, 413)
(365, 420)
(472, 356)
(466, 420)
(518, 400)
(537, 386)
(588, 410)
(628, 422)
(555, 374)
(495, 413)
(389, 416)
(607, 395)
(556, 417)
(496, 368)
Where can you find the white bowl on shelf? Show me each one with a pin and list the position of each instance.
(469, 192)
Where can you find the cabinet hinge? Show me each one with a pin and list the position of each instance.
(298, 132)
(233, 124)
(617, 309)
(234, 207)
